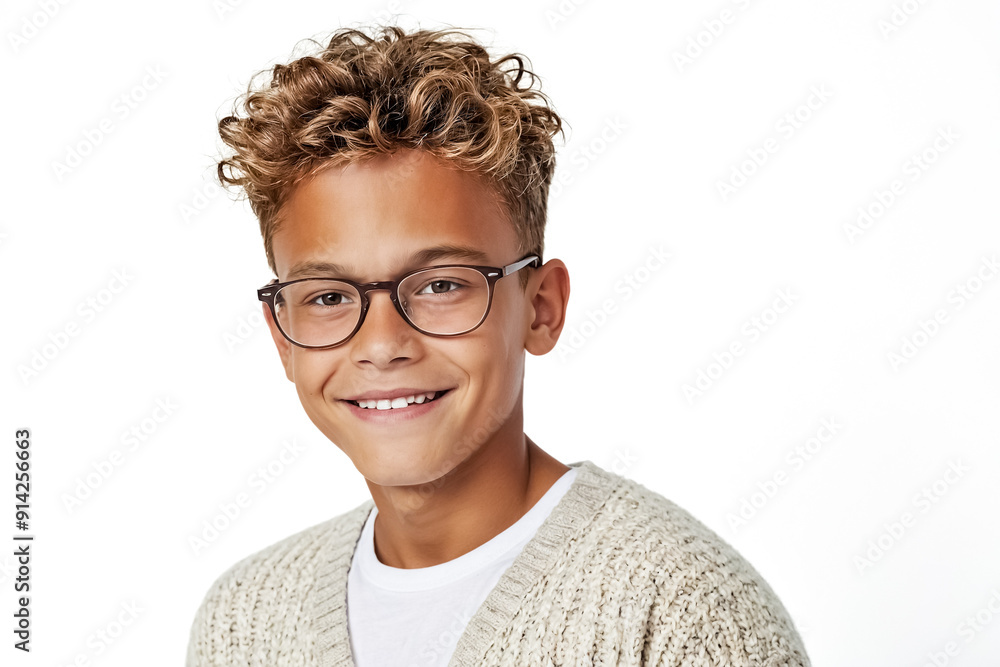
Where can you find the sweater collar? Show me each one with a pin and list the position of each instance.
(574, 511)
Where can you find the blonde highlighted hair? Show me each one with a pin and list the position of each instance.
(361, 96)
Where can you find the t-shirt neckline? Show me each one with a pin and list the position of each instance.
(419, 579)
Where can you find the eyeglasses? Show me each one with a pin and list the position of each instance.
(438, 301)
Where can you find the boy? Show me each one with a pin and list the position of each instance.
(401, 181)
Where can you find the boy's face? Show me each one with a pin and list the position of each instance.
(372, 219)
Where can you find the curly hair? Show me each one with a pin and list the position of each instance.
(362, 96)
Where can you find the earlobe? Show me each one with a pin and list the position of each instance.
(550, 295)
(284, 347)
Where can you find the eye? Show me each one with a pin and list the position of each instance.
(329, 299)
(440, 287)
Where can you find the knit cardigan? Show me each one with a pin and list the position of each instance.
(616, 575)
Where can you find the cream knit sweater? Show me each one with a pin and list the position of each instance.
(617, 575)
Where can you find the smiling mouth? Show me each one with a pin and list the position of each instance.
(400, 402)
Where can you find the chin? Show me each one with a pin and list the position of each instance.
(393, 469)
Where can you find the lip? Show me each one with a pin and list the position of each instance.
(394, 415)
(390, 394)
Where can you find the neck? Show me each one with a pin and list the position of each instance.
(429, 524)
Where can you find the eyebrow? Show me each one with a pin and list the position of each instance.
(417, 260)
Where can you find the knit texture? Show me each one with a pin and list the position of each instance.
(616, 575)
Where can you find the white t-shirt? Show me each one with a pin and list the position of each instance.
(400, 617)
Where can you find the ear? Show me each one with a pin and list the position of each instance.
(549, 290)
(284, 347)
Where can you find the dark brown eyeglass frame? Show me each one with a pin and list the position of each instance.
(268, 292)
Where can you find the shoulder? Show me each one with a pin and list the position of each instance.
(628, 517)
(707, 599)
(258, 604)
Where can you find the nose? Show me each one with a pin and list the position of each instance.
(385, 337)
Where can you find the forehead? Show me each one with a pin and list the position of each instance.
(379, 216)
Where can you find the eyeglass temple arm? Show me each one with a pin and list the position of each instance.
(517, 266)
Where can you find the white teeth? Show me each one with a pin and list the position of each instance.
(395, 403)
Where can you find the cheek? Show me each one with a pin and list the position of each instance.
(501, 363)
(509, 340)
(313, 369)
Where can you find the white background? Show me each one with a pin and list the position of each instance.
(661, 133)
